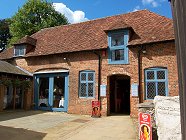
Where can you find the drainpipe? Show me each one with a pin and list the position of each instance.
(139, 72)
(99, 73)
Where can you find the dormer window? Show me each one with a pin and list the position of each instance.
(19, 50)
(118, 50)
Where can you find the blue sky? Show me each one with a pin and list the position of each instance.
(82, 10)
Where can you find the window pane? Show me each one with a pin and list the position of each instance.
(21, 51)
(151, 90)
(83, 90)
(16, 52)
(43, 91)
(117, 39)
(83, 76)
(117, 55)
(90, 89)
(58, 92)
(150, 74)
(161, 89)
(90, 76)
(161, 74)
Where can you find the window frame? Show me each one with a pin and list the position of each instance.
(156, 80)
(119, 47)
(87, 82)
(19, 48)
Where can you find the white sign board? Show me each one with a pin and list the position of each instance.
(103, 90)
(134, 89)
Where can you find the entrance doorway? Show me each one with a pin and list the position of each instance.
(119, 94)
(51, 91)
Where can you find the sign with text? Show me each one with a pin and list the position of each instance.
(103, 90)
(96, 109)
(134, 89)
(145, 127)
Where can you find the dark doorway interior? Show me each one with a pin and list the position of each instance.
(120, 94)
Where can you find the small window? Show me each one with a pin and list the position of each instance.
(86, 84)
(118, 50)
(156, 82)
(19, 50)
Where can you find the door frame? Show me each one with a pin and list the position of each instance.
(51, 85)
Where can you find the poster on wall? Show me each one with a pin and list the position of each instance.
(96, 109)
(145, 127)
(103, 90)
(134, 89)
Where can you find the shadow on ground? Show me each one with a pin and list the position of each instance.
(8, 115)
(9, 133)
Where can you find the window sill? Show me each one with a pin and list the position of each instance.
(18, 56)
(118, 62)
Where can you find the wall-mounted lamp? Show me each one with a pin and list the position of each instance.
(144, 51)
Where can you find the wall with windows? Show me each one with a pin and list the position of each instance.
(160, 61)
(81, 64)
(83, 73)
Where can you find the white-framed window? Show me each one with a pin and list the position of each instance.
(86, 84)
(19, 50)
(156, 82)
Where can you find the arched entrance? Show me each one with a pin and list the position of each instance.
(119, 89)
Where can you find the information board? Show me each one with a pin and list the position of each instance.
(134, 89)
(103, 89)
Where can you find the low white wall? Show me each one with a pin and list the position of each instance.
(167, 117)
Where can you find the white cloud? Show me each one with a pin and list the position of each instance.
(154, 3)
(137, 8)
(72, 16)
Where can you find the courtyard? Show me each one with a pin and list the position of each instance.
(42, 125)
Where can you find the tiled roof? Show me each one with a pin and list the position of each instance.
(6, 67)
(148, 27)
(26, 40)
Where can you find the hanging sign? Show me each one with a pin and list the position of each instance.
(145, 127)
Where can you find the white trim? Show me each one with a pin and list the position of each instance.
(25, 71)
(56, 71)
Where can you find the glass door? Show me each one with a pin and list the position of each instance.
(59, 92)
(43, 100)
(51, 91)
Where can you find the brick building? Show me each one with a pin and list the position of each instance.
(14, 92)
(130, 56)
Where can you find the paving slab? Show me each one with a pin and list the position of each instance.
(42, 125)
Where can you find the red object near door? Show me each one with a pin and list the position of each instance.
(145, 127)
(96, 109)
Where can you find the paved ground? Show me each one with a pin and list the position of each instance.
(40, 125)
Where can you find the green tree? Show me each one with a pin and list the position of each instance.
(4, 34)
(34, 16)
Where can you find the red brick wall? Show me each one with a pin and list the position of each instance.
(157, 55)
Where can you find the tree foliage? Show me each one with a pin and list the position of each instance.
(34, 16)
(4, 34)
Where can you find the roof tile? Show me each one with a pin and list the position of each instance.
(147, 26)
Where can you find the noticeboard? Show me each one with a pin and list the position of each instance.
(134, 89)
(103, 89)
